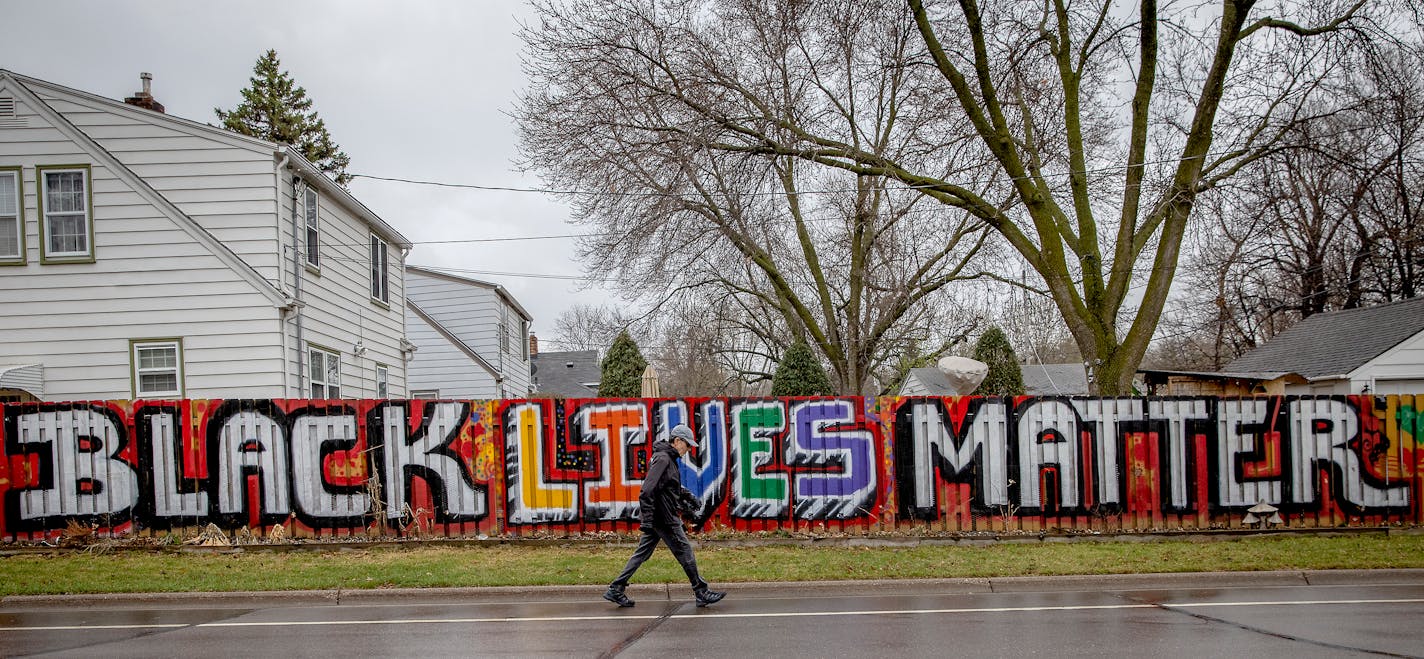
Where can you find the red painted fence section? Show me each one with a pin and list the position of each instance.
(804, 465)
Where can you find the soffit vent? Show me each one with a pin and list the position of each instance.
(8, 118)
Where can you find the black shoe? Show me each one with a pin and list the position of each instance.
(617, 597)
(705, 597)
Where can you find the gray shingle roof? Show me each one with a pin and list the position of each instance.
(1054, 379)
(567, 373)
(1335, 342)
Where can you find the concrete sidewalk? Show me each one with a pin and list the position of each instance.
(679, 591)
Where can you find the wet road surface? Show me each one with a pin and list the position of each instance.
(1356, 614)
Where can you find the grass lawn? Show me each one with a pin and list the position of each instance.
(514, 565)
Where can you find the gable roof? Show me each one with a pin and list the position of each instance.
(1054, 379)
(454, 340)
(933, 380)
(141, 187)
(499, 290)
(1335, 343)
(314, 174)
(567, 373)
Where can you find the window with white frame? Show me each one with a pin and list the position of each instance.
(425, 394)
(325, 369)
(313, 231)
(12, 226)
(66, 222)
(382, 381)
(157, 368)
(380, 272)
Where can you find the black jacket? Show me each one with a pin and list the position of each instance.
(663, 494)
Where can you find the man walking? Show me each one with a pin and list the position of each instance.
(661, 498)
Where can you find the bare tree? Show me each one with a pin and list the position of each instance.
(1092, 127)
(592, 327)
(622, 103)
(1327, 222)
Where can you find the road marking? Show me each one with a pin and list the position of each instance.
(691, 616)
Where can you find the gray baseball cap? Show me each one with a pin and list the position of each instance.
(682, 432)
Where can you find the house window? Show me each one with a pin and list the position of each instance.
(325, 373)
(157, 367)
(524, 339)
(64, 209)
(380, 273)
(383, 376)
(503, 329)
(426, 394)
(12, 226)
(313, 233)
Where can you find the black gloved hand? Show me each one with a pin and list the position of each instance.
(645, 527)
(687, 502)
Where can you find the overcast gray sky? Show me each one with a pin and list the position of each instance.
(413, 90)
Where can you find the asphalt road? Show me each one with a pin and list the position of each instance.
(1280, 614)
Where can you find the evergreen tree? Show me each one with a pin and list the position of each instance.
(276, 109)
(1005, 377)
(800, 373)
(622, 369)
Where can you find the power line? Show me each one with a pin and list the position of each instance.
(781, 193)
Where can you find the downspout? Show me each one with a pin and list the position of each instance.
(297, 294)
(281, 274)
(406, 357)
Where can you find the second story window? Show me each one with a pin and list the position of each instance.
(380, 273)
(523, 339)
(503, 328)
(12, 228)
(313, 233)
(64, 204)
(325, 373)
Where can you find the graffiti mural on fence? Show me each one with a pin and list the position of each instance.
(325, 465)
(801, 459)
(463, 467)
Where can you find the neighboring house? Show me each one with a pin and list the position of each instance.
(472, 337)
(928, 381)
(1038, 379)
(1377, 350)
(574, 374)
(1216, 383)
(1054, 379)
(147, 256)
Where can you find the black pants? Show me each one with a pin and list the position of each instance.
(676, 541)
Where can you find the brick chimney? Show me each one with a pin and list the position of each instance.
(145, 99)
(533, 345)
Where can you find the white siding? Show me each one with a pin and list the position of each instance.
(339, 310)
(515, 363)
(913, 386)
(152, 278)
(473, 311)
(1400, 370)
(226, 185)
(1322, 388)
(440, 365)
(149, 279)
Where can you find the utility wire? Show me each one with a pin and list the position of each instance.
(776, 193)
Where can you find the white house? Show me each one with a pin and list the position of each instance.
(472, 337)
(147, 256)
(1375, 350)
